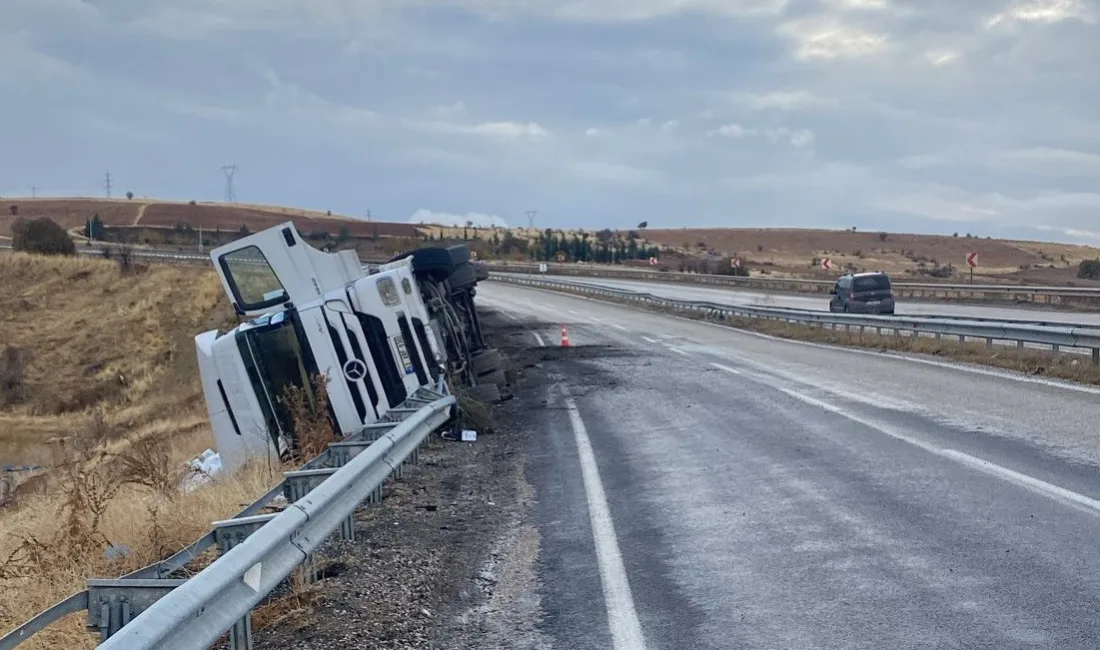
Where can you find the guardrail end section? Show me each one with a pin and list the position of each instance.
(112, 604)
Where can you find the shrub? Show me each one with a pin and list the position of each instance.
(13, 390)
(1089, 269)
(41, 236)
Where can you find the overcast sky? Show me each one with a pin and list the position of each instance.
(914, 115)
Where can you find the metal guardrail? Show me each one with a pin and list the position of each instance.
(926, 290)
(146, 610)
(1020, 333)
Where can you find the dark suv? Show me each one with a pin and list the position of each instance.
(863, 293)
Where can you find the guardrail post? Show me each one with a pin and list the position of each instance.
(989, 342)
(1096, 356)
(114, 603)
(298, 484)
(227, 534)
(1055, 349)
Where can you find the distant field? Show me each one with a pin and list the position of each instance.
(775, 252)
(71, 214)
(793, 252)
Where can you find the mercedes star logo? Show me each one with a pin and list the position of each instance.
(355, 369)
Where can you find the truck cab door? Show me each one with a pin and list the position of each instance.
(276, 266)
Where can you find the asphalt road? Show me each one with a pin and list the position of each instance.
(698, 487)
(796, 301)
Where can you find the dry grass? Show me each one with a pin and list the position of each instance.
(1073, 367)
(98, 501)
(96, 339)
(103, 390)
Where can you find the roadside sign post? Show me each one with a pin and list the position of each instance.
(972, 261)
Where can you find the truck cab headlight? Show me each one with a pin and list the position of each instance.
(388, 291)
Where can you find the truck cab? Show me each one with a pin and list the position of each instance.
(313, 313)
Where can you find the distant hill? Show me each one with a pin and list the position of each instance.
(71, 213)
(776, 252)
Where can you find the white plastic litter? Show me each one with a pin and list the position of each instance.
(203, 469)
(469, 436)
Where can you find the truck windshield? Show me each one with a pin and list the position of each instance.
(253, 281)
(275, 362)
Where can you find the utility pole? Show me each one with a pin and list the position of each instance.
(230, 191)
(368, 214)
(531, 218)
(34, 192)
(107, 184)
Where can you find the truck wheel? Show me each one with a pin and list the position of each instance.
(435, 263)
(460, 253)
(464, 276)
(488, 393)
(495, 377)
(482, 271)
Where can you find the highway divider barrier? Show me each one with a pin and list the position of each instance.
(1055, 336)
(1042, 295)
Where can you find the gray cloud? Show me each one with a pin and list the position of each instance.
(911, 114)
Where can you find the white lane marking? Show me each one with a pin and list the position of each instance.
(619, 327)
(734, 371)
(988, 372)
(1023, 480)
(538, 338)
(598, 320)
(676, 350)
(626, 630)
(646, 338)
(1030, 482)
(574, 312)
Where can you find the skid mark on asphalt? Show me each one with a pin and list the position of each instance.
(626, 630)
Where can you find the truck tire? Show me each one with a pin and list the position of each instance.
(460, 253)
(495, 377)
(481, 269)
(436, 263)
(488, 393)
(486, 361)
(463, 277)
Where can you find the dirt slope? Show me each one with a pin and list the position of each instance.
(95, 340)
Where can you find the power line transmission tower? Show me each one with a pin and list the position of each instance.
(230, 191)
(107, 184)
(531, 218)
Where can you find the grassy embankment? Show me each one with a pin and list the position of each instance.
(99, 384)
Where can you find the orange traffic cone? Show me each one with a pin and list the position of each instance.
(564, 337)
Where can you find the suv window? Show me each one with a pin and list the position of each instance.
(872, 283)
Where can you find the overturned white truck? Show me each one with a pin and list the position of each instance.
(374, 336)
